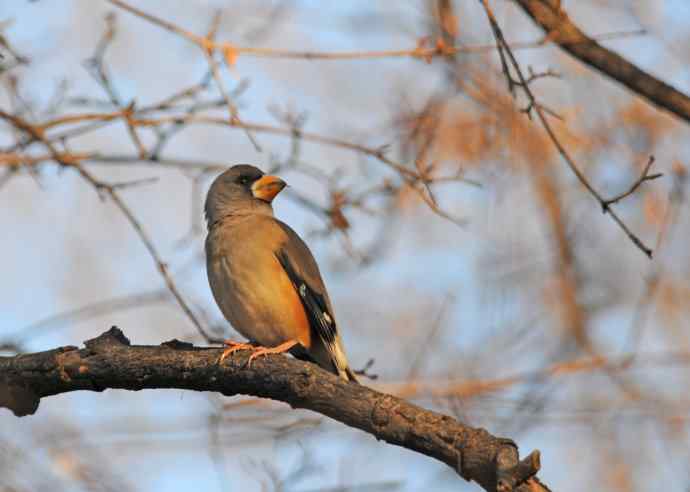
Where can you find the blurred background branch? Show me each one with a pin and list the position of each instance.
(553, 18)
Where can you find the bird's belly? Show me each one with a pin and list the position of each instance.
(259, 300)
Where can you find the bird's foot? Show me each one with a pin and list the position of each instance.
(233, 347)
(261, 351)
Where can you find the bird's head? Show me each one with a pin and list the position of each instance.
(241, 190)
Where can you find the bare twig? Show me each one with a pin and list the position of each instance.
(96, 66)
(541, 75)
(653, 277)
(420, 52)
(37, 134)
(465, 388)
(645, 176)
(215, 71)
(410, 176)
(539, 109)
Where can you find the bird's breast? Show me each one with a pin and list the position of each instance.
(252, 290)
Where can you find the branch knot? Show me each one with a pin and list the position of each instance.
(111, 338)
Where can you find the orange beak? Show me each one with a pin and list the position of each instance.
(267, 187)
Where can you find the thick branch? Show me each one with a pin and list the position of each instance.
(562, 31)
(109, 361)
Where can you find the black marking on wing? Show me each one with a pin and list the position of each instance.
(320, 320)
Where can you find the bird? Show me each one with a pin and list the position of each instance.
(263, 276)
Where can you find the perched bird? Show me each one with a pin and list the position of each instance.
(264, 278)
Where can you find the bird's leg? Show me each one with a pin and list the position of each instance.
(260, 351)
(234, 347)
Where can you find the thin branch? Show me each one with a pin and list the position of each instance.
(419, 52)
(37, 134)
(109, 361)
(541, 75)
(207, 46)
(378, 153)
(215, 71)
(653, 277)
(96, 66)
(645, 176)
(539, 109)
(411, 177)
(438, 388)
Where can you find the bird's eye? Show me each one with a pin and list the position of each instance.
(243, 180)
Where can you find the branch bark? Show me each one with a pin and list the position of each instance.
(109, 361)
(561, 30)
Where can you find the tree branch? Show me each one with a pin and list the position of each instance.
(562, 31)
(109, 361)
(508, 59)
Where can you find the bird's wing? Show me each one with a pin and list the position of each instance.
(300, 266)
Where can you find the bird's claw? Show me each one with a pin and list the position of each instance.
(233, 347)
(263, 351)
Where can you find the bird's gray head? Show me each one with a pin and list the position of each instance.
(241, 190)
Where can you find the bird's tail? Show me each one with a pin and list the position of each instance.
(350, 375)
(340, 361)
